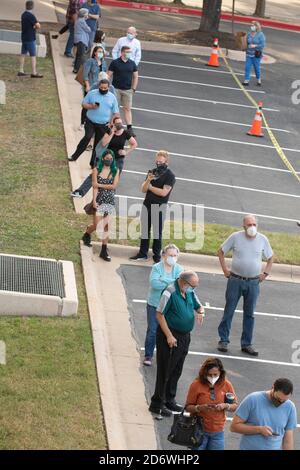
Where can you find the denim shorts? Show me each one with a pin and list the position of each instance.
(29, 48)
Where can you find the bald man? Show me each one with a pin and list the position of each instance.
(176, 318)
(132, 42)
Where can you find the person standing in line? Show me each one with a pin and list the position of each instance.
(267, 419)
(130, 41)
(29, 26)
(176, 319)
(248, 246)
(93, 17)
(102, 107)
(162, 274)
(125, 77)
(256, 42)
(71, 18)
(210, 396)
(81, 38)
(158, 185)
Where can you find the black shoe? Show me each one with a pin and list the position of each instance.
(69, 55)
(104, 254)
(76, 194)
(246, 83)
(298, 223)
(249, 350)
(87, 239)
(131, 132)
(54, 36)
(222, 346)
(258, 84)
(138, 257)
(160, 411)
(156, 260)
(71, 159)
(22, 74)
(36, 75)
(174, 407)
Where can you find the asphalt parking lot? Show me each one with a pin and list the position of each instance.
(201, 116)
(276, 329)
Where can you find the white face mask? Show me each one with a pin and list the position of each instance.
(251, 231)
(171, 260)
(253, 28)
(213, 380)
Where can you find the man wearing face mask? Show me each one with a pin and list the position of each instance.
(244, 278)
(130, 41)
(125, 77)
(157, 186)
(102, 108)
(267, 419)
(176, 318)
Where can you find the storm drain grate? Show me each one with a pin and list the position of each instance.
(31, 276)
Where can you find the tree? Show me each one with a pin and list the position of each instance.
(260, 9)
(211, 14)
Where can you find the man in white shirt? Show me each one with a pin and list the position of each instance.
(131, 41)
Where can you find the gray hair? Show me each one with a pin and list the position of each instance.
(83, 12)
(187, 275)
(248, 216)
(103, 76)
(171, 246)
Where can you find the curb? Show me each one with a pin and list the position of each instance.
(193, 12)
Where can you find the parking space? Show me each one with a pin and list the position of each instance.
(201, 116)
(277, 324)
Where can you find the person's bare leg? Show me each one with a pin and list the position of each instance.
(127, 115)
(22, 62)
(33, 65)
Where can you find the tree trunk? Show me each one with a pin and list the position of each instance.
(211, 14)
(260, 9)
(178, 2)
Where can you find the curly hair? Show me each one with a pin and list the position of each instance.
(210, 363)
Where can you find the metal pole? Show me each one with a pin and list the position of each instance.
(232, 22)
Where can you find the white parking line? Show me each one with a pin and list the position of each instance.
(200, 118)
(203, 101)
(214, 138)
(264, 314)
(223, 185)
(187, 67)
(218, 160)
(179, 82)
(215, 209)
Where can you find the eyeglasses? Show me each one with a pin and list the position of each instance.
(193, 287)
(212, 394)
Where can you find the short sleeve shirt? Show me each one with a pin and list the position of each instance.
(258, 410)
(122, 73)
(93, 10)
(117, 143)
(165, 179)
(108, 105)
(247, 253)
(28, 21)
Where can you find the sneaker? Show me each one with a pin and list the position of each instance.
(160, 411)
(246, 83)
(250, 350)
(147, 361)
(71, 159)
(139, 257)
(76, 194)
(89, 148)
(70, 56)
(54, 36)
(298, 223)
(222, 346)
(174, 407)
(22, 74)
(258, 83)
(36, 75)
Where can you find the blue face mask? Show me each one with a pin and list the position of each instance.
(188, 289)
(130, 36)
(100, 55)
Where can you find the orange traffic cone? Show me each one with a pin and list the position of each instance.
(214, 56)
(256, 128)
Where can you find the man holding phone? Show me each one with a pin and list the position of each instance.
(267, 419)
(102, 108)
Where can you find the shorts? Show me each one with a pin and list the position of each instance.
(29, 47)
(124, 97)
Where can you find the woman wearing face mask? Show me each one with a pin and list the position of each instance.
(162, 274)
(209, 396)
(105, 179)
(255, 44)
(91, 69)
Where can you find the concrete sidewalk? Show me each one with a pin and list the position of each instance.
(12, 10)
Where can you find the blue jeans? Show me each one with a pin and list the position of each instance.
(70, 42)
(212, 441)
(255, 62)
(236, 288)
(151, 331)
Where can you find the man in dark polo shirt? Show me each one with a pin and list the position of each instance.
(125, 79)
(29, 26)
(176, 318)
(157, 186)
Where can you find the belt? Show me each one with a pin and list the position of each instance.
(244, 278)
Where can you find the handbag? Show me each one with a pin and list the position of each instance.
(79, 75)
(89, 209)
(187, 430)
(258, 54)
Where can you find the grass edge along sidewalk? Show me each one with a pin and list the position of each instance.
(49, 397)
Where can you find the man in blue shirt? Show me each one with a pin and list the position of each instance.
(94, 15)
(267, 420)
(29, 26)
(102, 108)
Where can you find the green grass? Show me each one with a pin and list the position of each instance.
(49, 397)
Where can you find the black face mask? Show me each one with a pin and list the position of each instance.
(103, 92)
(107, 162)
(119, 126)
(161, 167)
